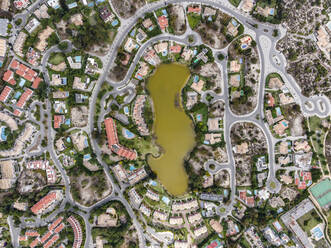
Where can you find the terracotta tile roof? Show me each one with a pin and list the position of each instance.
(5, 93)
(78, 238)
(196, 10)
(20, 73)
(51, 241)
(28, 77)
(175, 49)
(17, 112)
(43, 203)
(163, 22)
(59, 228)
(111, 132)
(58, 120)
(14, 64)
(55, 223)
(32, 234)
(45, 237)
(113, 141)
(12, 81)
(23, 67)
(7, 75)
(36, 83)
(24, 97)
(34, 243)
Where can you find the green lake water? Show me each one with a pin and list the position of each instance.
(172, 127)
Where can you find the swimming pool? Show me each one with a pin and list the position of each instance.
(133, 32)
(3, 134)
(153, 183)
(199, 117)
(126, 110)
(17, 95)
(128, 134)
(132, 167)
(317, 232)
(87, 156)
(284, 123)
(164, 53)
(272, 11)
(278, 111)
(22, 82)
(78, 59)
(68, 139)
(114, 23)
(234, 22)
(68, 122)
(166, 200)
(86, 142)
(164, 12)
(244, 46)
(196, 79)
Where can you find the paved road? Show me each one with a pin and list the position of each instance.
(267, 52)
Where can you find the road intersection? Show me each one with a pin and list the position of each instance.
(266, 45)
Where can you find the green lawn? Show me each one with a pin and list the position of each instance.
(56, 59)
(193, 20)
(317, 138)
(235, 2)
(309, 221)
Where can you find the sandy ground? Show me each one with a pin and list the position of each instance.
(79, 116)
(127, 8)
(177, 12)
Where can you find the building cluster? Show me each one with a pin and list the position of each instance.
(138, 114)
(49, 238)
(47, 202)
(113, 142)
(78, 233)
(131, 177)
(43, 165)
(19, 73)
(275, 100)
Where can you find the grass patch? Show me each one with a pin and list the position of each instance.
(235, 2)
(309, 221)
(56, 59)
(193, 20)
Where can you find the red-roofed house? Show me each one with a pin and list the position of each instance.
(14, 64)
(23, 238)
(8, 75)
(113, 141)
(51, 241)
(58, 120)
(196, 10)
(12, 81)
(32, 234)
(28, 77)
(23, 67)
(24, 98)
(5, 94)
(32, 73)
(175, 49)
(55, 223)
(111, 132)
(20, 73)
(163, 22)
(34, 243)
(59, 228)
(44, 203)
(36, 83)
(45, 237)
(78, 236)
(271, 100)
(17, 112)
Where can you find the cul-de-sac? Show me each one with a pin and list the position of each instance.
(165, 123)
